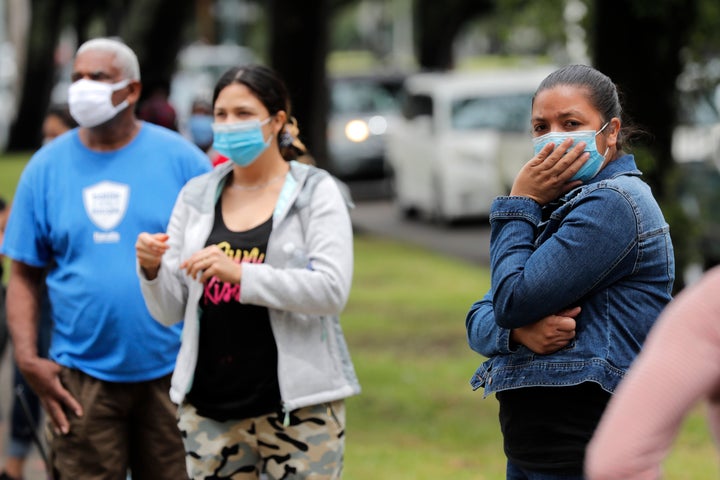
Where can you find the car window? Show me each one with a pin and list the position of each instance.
(361, 97)
(416, 105)
(502, 112)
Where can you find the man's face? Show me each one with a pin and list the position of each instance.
(95, 65)
(100, 66)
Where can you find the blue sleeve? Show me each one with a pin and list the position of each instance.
(25, 234)
(586, 252)
(483, 334)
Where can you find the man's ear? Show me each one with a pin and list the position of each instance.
(135, 88)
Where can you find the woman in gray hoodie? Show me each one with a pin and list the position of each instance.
(257, 261)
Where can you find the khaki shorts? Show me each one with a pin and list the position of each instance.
(126, 427)
(311, 446)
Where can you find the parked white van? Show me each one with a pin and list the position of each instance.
(461, 140)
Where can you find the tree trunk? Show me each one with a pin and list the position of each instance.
(25, 133)
(640, 50)
(645, 66)
(437, 25)
(298, 51)
(156, 35)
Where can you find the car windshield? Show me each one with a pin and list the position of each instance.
(501, 112)
(362, 97)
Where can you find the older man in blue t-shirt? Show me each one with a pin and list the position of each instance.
(79, 206)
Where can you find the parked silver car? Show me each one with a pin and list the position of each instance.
(362, 109)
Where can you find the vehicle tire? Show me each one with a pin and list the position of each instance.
(408, 212)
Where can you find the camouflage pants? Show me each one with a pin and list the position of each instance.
(310, 447)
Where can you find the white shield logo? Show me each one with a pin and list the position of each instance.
(106, 203)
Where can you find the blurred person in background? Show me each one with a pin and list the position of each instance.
(582, 264)
(57, 121)
(200, 124)
(259, 260)
(81, 202)
(199, 128)
(157, 109)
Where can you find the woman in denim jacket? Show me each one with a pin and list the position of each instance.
(582, 264)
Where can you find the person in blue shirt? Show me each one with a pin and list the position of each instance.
(24, 418)
(582, 264)
(80, 203)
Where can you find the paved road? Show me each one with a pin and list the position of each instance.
(468, 241)
(375, 213)
(34, 468)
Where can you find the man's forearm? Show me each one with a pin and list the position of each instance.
(23, 306)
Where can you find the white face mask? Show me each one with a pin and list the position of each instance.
(90, 101)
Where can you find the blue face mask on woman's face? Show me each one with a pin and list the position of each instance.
(242, 142)
(592, 165)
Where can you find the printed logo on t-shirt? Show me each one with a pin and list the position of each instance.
(217, 291)
(106, 203)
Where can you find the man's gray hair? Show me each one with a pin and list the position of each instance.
(125, 58)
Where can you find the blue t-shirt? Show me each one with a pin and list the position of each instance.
(79, 212)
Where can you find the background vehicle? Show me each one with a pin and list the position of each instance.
(461, 140)
(199, 66)
(362, 108)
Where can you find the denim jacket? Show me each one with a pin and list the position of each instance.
(604, 246)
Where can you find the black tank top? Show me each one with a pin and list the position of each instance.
(236, 371)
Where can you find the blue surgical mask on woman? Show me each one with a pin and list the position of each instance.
(242, 142)
(592, 165)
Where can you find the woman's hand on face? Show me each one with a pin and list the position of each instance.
(212, 262)
(149, 249)
(547, 175)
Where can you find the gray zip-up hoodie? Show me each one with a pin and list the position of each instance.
(304, 282)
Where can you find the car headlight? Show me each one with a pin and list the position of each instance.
(357, 131)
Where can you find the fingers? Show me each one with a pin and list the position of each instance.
(570, 312)
(54, 410)
(201, 262)
(212, 262)
(547, 175)
(566, 160)
(56, 399)
(150, 248)
(198, 262)
(565, 320)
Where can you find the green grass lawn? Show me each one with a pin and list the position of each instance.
(11, 166)
(417, 417)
